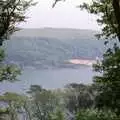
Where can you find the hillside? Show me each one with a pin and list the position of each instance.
(59, 33)
(48, 47)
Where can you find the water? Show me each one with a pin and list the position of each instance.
(43, 61)
(49, 79)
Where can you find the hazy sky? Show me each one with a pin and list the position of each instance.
(64, 15)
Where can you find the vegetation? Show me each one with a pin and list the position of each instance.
(93, 114)
(108, 12)
(99, 101)
(108, 88)
(108, 83)
(42, 104)
(106, 17)
(108, 92)
(12, 12)
(79, 96)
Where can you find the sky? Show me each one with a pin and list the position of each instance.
(64, 15)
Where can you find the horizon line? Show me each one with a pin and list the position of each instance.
(59, 28)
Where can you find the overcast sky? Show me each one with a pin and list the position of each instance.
(64, 15)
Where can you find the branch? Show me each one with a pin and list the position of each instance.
(56, 2)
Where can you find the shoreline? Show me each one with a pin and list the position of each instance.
(82, 62)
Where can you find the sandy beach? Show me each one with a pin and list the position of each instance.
(82, 62)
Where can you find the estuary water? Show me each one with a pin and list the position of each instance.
(46, 61)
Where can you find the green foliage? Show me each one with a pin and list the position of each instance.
(11, 13)
(34, 90)
(12, 97)
(106, 17)
(42, 102)
(9, 72)
(2, 54)
(79, 96)
(57, 115)
(14, 104)
(91, 114)
(109, 82)
(46, 106)
(107, 12)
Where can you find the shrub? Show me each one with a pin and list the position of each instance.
(92, 114)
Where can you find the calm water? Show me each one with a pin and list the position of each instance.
(49, 78)
(43, 61)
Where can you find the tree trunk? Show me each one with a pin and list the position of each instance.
(116, 7)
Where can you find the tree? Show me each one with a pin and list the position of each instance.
(12, 12)
(109, 82)
(57, 115)
(14, 105)
(56, 3)
(108, 12)
(94, 114)
(43, 102)
(106, 17)
(79, 96)
(116, 7)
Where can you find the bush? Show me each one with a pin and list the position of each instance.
(96, 115)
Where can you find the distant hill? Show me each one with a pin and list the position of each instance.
(59, 33)
(52, 47)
